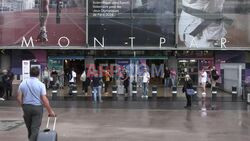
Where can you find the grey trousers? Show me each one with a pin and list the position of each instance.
(33, 119)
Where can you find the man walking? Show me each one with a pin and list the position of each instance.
(96, 84)
(145, 82)
(2, 90)
(32, 96)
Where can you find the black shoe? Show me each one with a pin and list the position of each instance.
(42, 37)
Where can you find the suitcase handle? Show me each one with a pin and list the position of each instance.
(54, 125)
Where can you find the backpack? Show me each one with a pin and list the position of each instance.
(83, 77)
(215, 76)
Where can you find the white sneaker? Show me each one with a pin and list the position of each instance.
(146, 96)
(2, 99)
(142, 96)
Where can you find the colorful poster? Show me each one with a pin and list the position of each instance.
(49, 23)
(214, 24)
(137, 23)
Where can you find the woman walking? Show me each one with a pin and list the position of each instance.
(188, 90)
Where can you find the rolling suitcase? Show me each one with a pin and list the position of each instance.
(48, 134)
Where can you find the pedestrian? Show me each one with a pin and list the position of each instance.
(203, 80)
(167, 77)
(125, 80)
(97, 86)
(54, 77)
(83, 78)
(2, 89)
(145, 82)
(72, 77)
(61, 79)
(31, 96)
(106, 79)
(188, 90)
(173, 77)
(214, 76)
(7, 80)
(46, 76)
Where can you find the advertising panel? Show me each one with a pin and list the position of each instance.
(126, 23)
(59, 23)
(214, 23)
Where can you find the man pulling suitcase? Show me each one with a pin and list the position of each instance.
(32, 96)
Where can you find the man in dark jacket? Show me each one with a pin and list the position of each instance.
(1, 87)
(97, 87)
(6, 84)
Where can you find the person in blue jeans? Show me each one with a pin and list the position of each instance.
(97, 87)
(145, 82)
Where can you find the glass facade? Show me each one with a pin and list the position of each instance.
(124, 24)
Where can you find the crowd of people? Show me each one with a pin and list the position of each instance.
(98, 82)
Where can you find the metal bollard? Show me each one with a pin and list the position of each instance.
(234, 93)
(174, 91)
(134, 91)
(73, 90)
(234, 90)
(214, 98)
(154, 91)
(114, 92)
(214, 92)
(54, 92)
(248, 98)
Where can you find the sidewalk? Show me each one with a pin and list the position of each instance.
(80, 121)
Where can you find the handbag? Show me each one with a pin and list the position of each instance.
(190, 91)
(208, 85)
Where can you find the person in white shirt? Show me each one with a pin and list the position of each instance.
(83, 78)
(203, 80)
(195, 30)
(72, 78)
(145, 82)
(46, 77)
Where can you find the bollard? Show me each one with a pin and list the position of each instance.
(73, 90)
(174, 91)
(214, 98)
(248, 98)
(114, 92)
(234, 91)
(134, 91)
(54, 92)
(154, 91)
(214, 92)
